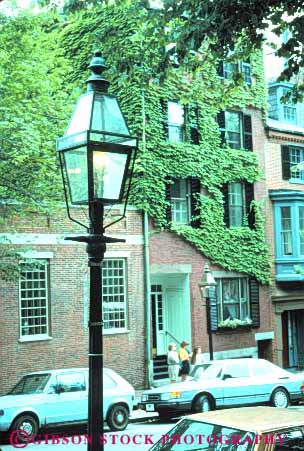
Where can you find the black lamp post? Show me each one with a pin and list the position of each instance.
(97, 157)
(207, 287)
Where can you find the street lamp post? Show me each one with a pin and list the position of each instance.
(207, 286)
(97, 157)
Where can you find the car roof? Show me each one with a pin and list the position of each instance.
(61, 370)
(255, 419)
(245, 359)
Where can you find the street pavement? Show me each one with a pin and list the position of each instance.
(137, 437)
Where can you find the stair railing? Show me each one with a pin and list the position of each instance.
(176, 340)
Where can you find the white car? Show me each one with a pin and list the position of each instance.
(47, 398)
(226, 383)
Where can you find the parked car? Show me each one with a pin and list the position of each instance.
(226, 383)
(242, 429)
(50, 397)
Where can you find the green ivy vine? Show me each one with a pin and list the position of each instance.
(133, 56)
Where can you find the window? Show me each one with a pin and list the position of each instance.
(71, 382)
(114, 296)
(181, 123)
(183, 206)
(286, 232)
(228, 69)
(290, 229)
(176, 122)
(238, 211)
(291, 156)
(34, 300)
(180, 207)
(233, 129)
(289, 233)
(233, 299)
(288, 112)
(237, 369)
(236, 129)
(236, 204)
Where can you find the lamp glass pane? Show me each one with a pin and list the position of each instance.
(108, 174)
(107, 116)
(80, 120)
(77, 175)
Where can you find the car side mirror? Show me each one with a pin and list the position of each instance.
(227, 376)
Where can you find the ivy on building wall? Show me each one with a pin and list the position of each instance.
(121, 33)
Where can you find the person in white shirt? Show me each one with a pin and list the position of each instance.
(173, 362)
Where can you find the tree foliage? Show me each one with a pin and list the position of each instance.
(33, 110)
(222, 24)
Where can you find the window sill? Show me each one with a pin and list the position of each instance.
(32, 338)
(296, 181)
(115, 331)
(240, 328)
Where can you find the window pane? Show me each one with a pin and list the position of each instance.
(233, 299)
(236, 204)
(179, 193)
(286, 231)
(301, 229)
(231, 302)
(233, 129)
(114, 293)
(175, 122)
(296, 155)
(230, 69)
(33, 300)
(175, 113)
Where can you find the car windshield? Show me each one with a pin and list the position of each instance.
(191, 435)
(28, 385)
(206, 371)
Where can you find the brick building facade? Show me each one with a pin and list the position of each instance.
(43, 317)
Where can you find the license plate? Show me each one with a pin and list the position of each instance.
(150, 407)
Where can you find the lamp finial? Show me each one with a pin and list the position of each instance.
(96, 82)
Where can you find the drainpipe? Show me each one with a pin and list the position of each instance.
(148, 360)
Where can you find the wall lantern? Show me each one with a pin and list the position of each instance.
(207, 286)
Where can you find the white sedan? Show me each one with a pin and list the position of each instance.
(226, 383)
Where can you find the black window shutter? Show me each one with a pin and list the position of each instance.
(247, 129)
(249, 197)
(254, 302)
(195, 187)
(168, 199)
(226, 204)
(164, 108)
(221, 124)
(194, 128)
(220, 69)
(285, 163)
(212, 315)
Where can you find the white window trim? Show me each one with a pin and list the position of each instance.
(221, 303)
(125, 329)
(37, 337)
(187, 199)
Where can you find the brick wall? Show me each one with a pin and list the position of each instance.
(68, 345)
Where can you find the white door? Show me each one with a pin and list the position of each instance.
(158, 319)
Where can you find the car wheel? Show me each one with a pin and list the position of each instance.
(280, 398)
(202, 404)
(118, 418)
(26, 427)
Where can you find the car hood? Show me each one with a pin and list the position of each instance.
(188, 385)
(7, 401)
